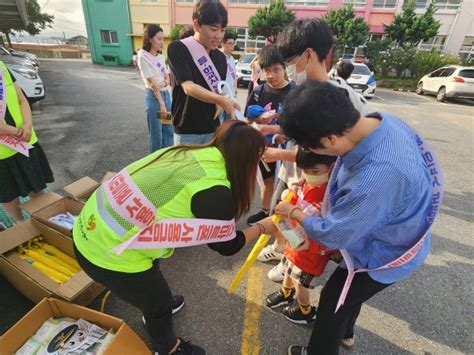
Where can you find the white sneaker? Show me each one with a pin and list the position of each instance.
(277, 273)
(269, 253)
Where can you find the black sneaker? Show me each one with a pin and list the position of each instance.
(257, 217)
(297, 350)
(187, 348)
(293, 313)
(277, 299)
(178, 303)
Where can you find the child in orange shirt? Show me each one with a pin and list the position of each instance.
(304, 266)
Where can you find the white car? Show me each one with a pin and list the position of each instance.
(29, 81)
(244, 72)
(362, 80)
(452, 81)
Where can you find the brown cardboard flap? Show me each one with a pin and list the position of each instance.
(126, 341)
(66, 204)
(82, 188)
(16, 336)
(28, 287)
(74, 286)
(107, 176)
(16, 235)
(40, 201)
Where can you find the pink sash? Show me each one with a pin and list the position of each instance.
(153, 60)
(436, 198)
(3, 97)
(203, 62)
(127, 200)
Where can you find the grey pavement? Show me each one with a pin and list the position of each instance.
(93, 120)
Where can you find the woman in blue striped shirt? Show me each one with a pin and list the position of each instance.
(380, 194)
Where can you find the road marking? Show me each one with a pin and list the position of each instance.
(250, 344)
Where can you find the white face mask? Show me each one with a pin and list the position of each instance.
(298, 78)
(315, 180)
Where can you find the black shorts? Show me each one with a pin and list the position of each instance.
(267, 174)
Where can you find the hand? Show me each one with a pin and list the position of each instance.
(229, 106)
(283, 208)
(25, 133)
(267, 117)
(269, 129)
(271, 154)
(164, 115)
(269, 226)
(280, 139)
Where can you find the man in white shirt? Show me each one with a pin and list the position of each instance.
(228, 45)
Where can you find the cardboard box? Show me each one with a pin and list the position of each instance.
(125, 340)
(49, 204)
(31, 282)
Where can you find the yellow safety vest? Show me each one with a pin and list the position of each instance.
(15, 111)
(169, 183)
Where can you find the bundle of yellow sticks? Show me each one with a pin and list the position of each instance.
(48, 259)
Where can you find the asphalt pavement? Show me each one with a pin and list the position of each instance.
(93, 121)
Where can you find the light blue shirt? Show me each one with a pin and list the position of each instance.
(229, 78)
(379, 202)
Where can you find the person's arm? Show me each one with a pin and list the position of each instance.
(274, 154)
(355, 214)
(217, 203)
(10, 130)
(27, 127)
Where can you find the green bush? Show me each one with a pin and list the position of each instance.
(426, 62)
(174, 33)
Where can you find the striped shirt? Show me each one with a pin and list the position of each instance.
(379, 202)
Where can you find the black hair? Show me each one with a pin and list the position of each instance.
(344, 69)
(270, 55)
(185, 32)
(305, 33)
(307, 160)
(150, 31)
(210, 12)
(227, 36)
(316, 109)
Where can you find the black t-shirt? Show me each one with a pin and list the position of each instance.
(263, 95)
(191, 116)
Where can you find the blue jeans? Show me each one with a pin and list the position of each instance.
(192, 138)
(161, 135)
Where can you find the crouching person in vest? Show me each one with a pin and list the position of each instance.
(176, 197)
(24, 168)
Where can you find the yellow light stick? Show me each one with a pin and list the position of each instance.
(69, 261)
(261, 243)
(48, 271)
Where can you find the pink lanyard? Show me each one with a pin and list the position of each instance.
(154, 60)
(436, 198)
(203, 62)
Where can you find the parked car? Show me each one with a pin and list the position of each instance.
(27, 55)
(244, 72)
(452, 81)
(362, 80)
(29, 81)
(8, 58)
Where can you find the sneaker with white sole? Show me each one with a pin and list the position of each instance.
(270, 253)
(277, 299)
(293, 314)
(178, 303)
(297, 350)
(277, 273)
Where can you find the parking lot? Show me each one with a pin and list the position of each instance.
(93, 120)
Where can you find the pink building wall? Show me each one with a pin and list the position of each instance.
(240, 13)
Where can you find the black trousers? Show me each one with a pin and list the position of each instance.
(148, 291)
(330, 328)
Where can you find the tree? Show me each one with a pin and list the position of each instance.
(348, 30)
(270, 20)
(38, 21)
(408, 29)
(174, 33)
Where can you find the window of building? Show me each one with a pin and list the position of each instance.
(420, 4)
(188, 1)
(319, 3)
(385, 3)
(109, 37)
(448, 4)
(150, 0)
(255, 2)
(467, 48)
(434, 43)
(244, 41)
(356, 3)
